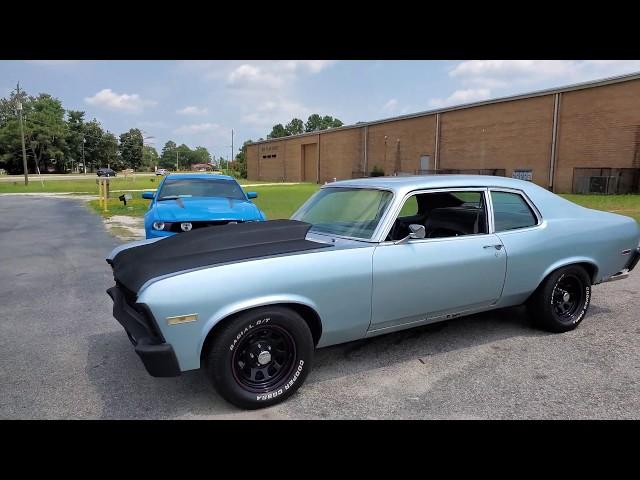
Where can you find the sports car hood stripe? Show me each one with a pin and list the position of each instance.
(135, 266)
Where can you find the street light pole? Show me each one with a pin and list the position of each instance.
(24, 150)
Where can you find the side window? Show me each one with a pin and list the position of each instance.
(511, 211)
(410, 207)
(443, 214)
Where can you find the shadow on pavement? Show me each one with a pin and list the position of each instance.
(127, 391)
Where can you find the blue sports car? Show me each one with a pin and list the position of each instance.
(190, 201)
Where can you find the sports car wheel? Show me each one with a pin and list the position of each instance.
(260, 357)
(561, 302)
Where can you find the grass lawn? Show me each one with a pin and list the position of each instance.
(276, 201)
(628, 205)
(86, 186)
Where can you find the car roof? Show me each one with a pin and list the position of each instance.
(403, 184)
(205, 176)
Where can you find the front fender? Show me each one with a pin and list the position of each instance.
(247, 304)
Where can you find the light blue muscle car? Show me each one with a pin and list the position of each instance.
(250, 302)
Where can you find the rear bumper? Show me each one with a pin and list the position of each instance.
(157, 356)
(633, 261)
(631, 264)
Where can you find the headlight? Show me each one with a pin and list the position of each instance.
(158, 225)
(186, 226)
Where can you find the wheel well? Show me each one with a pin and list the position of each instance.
(307, 313)
(591, 269)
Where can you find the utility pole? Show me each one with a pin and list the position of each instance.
(232, 145)
(177, 155)
(84, 164)
(24, 150)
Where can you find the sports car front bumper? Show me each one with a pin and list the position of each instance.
(157, 356)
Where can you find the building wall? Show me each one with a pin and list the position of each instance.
(340, 154)
(407, 140)
(599, 127)
(510, 135)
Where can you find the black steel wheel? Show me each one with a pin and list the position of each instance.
(567, 296)
(260, 357)
(263, 358)
(562, 300)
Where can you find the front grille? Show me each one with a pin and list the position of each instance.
(175, 227)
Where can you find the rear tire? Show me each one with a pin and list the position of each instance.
(562, 300)
(260, 357)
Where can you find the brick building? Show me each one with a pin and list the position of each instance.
(579, 138)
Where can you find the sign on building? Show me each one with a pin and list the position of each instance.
(523, 175)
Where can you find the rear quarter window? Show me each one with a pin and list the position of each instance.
(511, 211)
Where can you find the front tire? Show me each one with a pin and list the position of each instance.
(562, 301)
(260, 357)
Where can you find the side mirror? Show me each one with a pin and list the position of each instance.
(252, 195)
(148, 195)
(415, 231)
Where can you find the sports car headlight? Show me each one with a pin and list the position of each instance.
(186, 226)
(158, 225)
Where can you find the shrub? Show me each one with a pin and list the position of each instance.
(377, 171)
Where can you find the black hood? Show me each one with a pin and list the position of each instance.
(134, 266)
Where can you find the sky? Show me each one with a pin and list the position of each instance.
(199, 102)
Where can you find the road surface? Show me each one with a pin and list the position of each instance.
(64, 356)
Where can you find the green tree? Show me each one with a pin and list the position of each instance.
(168, 155)
(278, 131)
(295, 127)
(240, 163)
(200, 155)
(185, 157)
(130, 148)
(75, 136)
(108, 152)
(316, 122)
(10, 146)
(45, 131)
(150, 158)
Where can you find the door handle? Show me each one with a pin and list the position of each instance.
(497, 247)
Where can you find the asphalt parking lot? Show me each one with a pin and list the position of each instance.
(64, 356)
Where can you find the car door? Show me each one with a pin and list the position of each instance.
(420, 280)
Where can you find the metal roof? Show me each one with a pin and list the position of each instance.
(539, 93)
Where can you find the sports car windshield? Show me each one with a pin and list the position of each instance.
(349, 212)
(192, 187)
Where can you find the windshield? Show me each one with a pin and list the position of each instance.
(200, 187)
(350, 212)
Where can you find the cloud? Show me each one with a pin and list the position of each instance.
(497, 74)
(198, 128)
(191, 110)
(263, 89)
(390, 106)
(252, 76)
(152, 124)
(279, 110)
(461, 97)
(107, 98)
